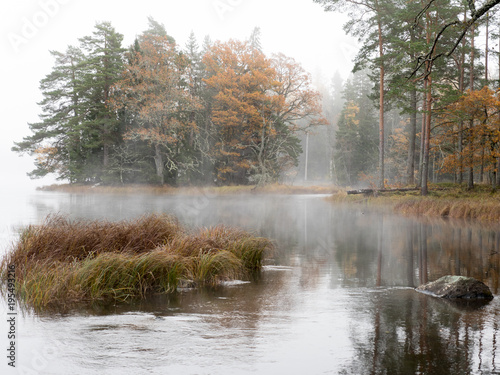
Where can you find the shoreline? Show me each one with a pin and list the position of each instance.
(445, 200)
(191, 190)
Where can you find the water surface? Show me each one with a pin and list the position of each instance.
(336, 297)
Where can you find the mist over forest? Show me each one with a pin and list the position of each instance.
(420, 105)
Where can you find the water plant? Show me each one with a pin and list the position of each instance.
(62, 261)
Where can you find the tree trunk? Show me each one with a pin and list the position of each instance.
(486, 49)
(159, 164)
(427, 133)
(410, 171)
(427, 136)
(494, 175)
(498, 171)
(461, 87)
(481, 173)
(307, 156)
(470, 182)
(260, 157)
(422, 136)
(105, 157)
(381, 181)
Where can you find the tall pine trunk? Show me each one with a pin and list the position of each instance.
(381, 181)
(428, 114)
(470, 182)
(427, 135)
(410, 170)
(461, 87)
(422, 135)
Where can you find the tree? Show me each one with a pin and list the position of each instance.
(356, 135)
(475, 14)
(56, 140)
(431, 22)
(153, 90)
(257, 106)
(254, 39)
(77, 127)
(102, 67)
(358, 26)
(480, 110)
(240, 77)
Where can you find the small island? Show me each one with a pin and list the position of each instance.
(61, 262)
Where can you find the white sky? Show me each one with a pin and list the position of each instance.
(30, 28)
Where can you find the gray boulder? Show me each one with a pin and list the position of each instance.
(457, 287)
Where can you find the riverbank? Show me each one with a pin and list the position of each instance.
(61, 262)
(191, 190)
(444, 200)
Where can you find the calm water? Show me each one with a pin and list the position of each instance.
(335, 298)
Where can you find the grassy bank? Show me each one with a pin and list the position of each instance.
(190, 190)
(486, 209)
(63, 261)
(444, 200)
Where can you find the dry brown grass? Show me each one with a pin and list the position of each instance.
(63, 261)
(460, 208)
(62, 240)
(444, 200)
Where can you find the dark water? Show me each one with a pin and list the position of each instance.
(335, 298)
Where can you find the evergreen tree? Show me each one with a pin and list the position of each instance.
(356, 135)
(254, 39)
(102, 68)
(78, 127)
(372, 31)
(57, 141)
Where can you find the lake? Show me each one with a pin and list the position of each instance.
(336, 296)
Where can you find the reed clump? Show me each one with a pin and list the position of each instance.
(61, 262)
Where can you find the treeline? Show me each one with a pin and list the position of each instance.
(158, 113)
(431, 93)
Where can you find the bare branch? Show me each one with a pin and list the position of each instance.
(422, 12)
(475, 15)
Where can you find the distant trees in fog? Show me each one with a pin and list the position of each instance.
(156, 113)
(426, 60)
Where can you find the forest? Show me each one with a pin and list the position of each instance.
(420, 106)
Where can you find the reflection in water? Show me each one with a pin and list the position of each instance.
(415, 334)
(335, 297)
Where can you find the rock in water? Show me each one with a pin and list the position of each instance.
(457, 287)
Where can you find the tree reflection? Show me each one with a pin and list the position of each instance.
(413, 333)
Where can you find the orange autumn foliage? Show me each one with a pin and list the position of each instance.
(152, 89)
(479, 112)
(257, 105)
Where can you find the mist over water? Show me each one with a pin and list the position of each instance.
(336, 296)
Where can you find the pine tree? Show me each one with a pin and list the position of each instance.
(57, 141)
(102, 68)
(369, 29)
(254, 39)
(356, 135)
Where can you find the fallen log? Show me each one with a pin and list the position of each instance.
(375, 191)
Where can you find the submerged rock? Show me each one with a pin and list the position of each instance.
(457, 287)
